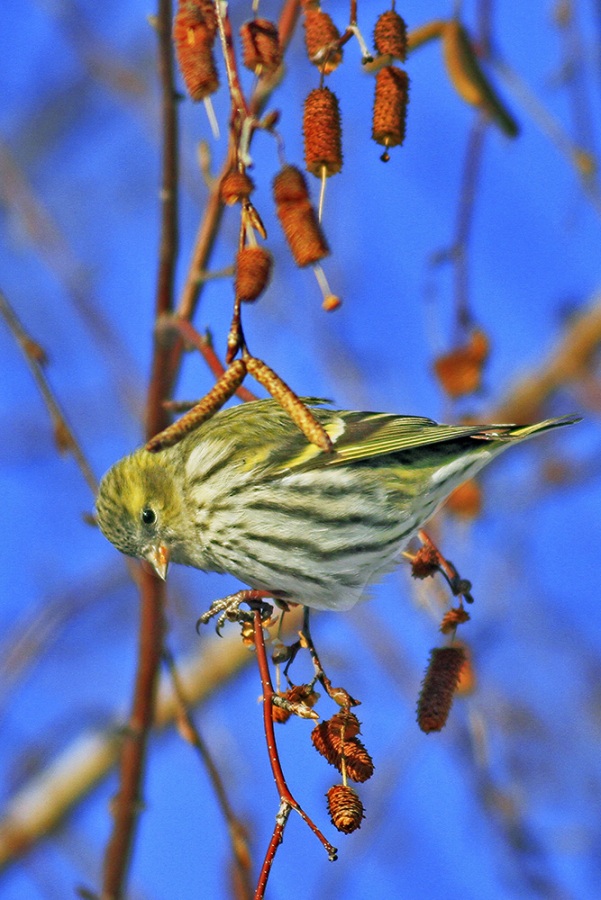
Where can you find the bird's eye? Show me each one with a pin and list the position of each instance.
(148, 516)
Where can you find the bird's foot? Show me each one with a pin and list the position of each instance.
(227, 609)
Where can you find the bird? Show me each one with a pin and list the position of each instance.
(247, 493)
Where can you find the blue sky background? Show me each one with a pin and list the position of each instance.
(505, 801)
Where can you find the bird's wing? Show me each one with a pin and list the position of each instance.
(358, 435)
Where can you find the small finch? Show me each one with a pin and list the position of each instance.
(246, 493)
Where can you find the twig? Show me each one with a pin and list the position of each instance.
(160, 381)
(582, 161)
(569, 360)
(465, 217)
(45, 800)
(48, 240)
(460, 587)
(287, 801)
(128, 803)
(190, 733)
(338, 694)
(239, 105)
(34, 355)
(204, 345)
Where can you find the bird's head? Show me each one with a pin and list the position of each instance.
(139, 507)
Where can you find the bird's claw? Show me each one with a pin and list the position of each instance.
(227, 609)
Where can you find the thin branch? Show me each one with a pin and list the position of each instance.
(287, 801)
(568, 362)
(128, 801)
(49, 796)
(47, 239)
(34, 355)
(190, 733)
(465, 217)
(209, 227)
(204, 345)
(160, 382)
(580, 158)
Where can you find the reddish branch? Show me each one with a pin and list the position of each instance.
(128, 801)
(166, 363)
(287, 801)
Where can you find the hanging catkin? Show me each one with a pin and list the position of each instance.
(322, 133)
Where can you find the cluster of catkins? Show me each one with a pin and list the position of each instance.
(195, 30)
(336, 739)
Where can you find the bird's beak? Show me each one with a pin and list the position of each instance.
(158, 557)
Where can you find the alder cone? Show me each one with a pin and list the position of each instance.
(438, 687)
(390, 35)
(261, 50)
(390, 106)
(194, 30)
(321, 37)
(345, 808)
(298, 218)
(322, 133)
(253, 272)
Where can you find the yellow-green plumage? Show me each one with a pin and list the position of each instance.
(246, 493)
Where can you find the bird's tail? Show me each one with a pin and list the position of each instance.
(512, 433)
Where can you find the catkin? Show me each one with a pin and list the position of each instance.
(345, 808)
(438, 687)
(261, 50)
(390, 35)
(194, 30)
(390, 106)
(289, 186)
(300, 414)
(336, 739)
(321, 40)
(224, 388)
(253, 271)
(235, 187)
(322, 133)
(298, 218)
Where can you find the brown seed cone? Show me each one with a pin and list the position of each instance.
(327, 743)
(321, 40)
(261, 50)
(390, 35)
(289, 186)
(426, 562)
(452, 618)
(253, 271)
(303, 232)
(345, 723)
(359, 764)
(390, 106)
(322, 133)
(327, 740)
(345, 808)
(235, 186)
(303, 693)
(194, 30)
(438, 687)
